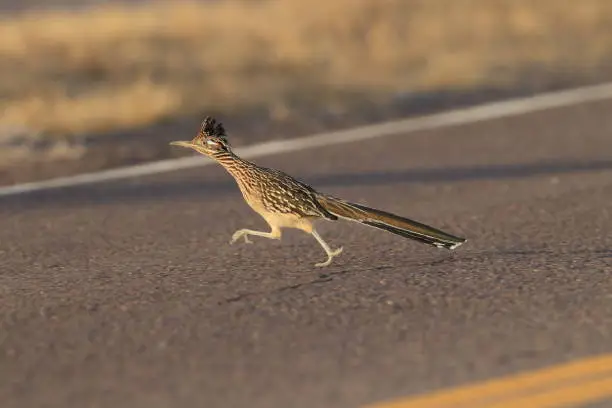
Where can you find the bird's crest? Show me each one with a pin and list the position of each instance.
(212, 128)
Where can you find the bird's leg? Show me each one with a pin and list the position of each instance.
(330, 253)
(274, 233)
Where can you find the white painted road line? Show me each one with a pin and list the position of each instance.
(508, 108)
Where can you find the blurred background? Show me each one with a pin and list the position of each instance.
(87, 85)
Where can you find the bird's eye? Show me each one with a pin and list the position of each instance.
(213, 144)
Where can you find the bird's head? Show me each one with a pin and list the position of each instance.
(210, 140)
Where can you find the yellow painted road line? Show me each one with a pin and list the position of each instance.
(581, 393)
(559, 377)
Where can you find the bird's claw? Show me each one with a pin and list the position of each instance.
(330, 256)
(238, 234)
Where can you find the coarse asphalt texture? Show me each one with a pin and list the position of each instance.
(128, 294)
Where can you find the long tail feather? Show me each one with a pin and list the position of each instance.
(389, 222)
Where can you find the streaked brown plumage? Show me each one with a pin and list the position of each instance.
(285, 202)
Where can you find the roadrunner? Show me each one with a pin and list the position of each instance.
(285, 202)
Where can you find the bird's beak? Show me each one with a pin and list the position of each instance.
(183, 144)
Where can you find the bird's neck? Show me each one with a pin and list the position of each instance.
(238, 168)
(234, 164)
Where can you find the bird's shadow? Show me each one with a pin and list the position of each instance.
(452, 257)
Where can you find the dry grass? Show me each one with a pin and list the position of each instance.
(65, 73)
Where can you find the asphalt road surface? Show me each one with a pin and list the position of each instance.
(127, 294)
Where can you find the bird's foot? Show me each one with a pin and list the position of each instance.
(239, 234)
(330, 256)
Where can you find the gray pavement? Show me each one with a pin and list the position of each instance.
(127, 294)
